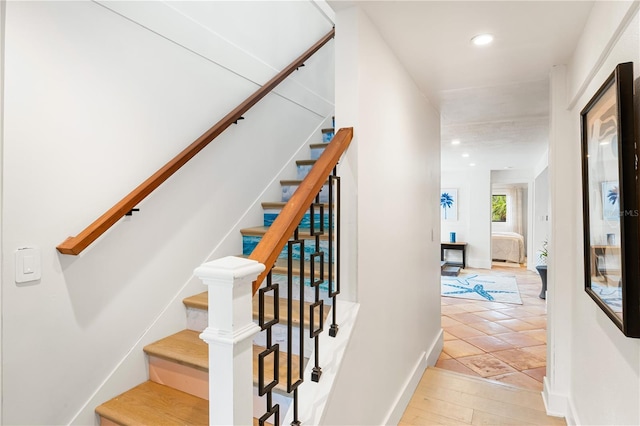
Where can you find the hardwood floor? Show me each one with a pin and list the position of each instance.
(448, 398)
(493, 362)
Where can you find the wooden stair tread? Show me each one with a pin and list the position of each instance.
(151, 403)
(283, 314)
(259, 231)
(187, 348)
(189, 341)
(184, 347)
(197, 301)
(305, 162)
(319, 145)
(282, 368)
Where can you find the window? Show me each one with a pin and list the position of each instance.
(498, 208)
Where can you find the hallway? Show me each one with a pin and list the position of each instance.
(499, 341)
(493, 362)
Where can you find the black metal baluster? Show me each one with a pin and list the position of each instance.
(318, 304)
(273, 350)
(291, 386)
(333, 330)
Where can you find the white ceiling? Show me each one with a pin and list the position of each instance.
(494, 99)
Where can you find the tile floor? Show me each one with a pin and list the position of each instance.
(498, 341)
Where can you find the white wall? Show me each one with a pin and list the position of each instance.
(474, 214)
(394, 170)
(594, 371)
(93, 104)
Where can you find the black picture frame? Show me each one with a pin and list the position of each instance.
(610, 200)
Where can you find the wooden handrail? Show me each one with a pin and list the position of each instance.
(75, 245)
(274, 240)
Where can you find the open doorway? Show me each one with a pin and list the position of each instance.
(496, 338)
(509, 224)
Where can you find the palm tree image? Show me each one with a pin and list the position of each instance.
(613, 195)
(446, 201)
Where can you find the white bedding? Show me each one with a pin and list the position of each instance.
(507, 246)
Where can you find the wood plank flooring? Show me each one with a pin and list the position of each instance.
(449, 398)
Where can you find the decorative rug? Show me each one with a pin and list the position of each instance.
(494, 288)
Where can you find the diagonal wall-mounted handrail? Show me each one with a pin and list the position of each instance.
(274, 240)
(75, 245)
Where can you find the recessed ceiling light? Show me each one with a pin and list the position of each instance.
(465, 155)
(472, 164)
(455, 142)
(482, 39)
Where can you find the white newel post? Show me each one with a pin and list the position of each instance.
(230, 336)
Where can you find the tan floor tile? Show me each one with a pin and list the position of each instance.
(518, 379)
(489, 343)
(454, 301)
(448, 336)
(540, 309)
(489, 327)
(466, 317)
(462, 331)
(475, 307)
(539, 321)
(536, 373)
(460, 348)
(518, 339)
(536, 334)
(539, 351)
(486, 365)
(444, 355)
(516, 324)
(518, 313)
(493, 315)
(454, 365)
(496, 305)
(519, 359)
(445, 321)
(451, 309)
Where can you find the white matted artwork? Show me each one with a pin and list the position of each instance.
(449, 204)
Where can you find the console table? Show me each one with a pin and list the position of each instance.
(455, 246)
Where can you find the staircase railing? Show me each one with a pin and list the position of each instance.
(233, 281)
(75, 245)
(285, 232)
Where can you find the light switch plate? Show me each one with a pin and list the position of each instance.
(28, 265)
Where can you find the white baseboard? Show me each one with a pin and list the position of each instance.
(572, 416)
(427, 358)
(433, 353)
(555, 403)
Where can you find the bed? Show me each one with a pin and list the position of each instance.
(507, 246)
